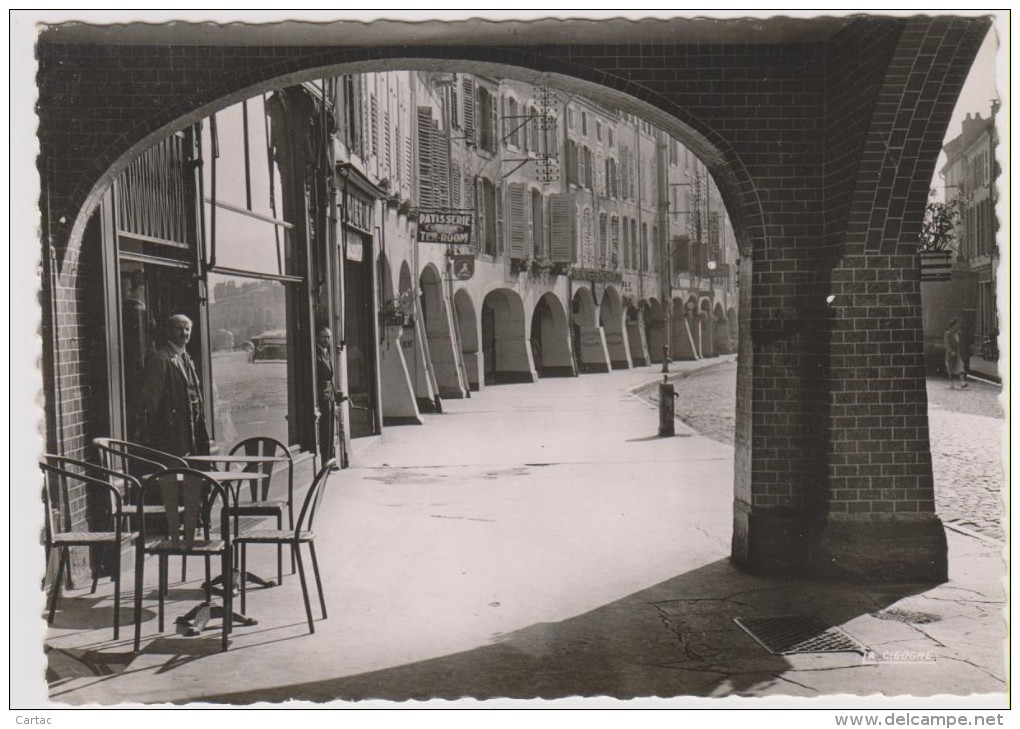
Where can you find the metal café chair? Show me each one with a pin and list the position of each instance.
(139, 462)
(190, 498)
(258, 502)
(301, 534)
(63, 475)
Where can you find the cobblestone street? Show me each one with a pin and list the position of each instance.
(966, 428)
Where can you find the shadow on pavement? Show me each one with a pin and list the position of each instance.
(676, 638)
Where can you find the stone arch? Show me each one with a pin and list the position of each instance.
(706, 328)
(263, 75)
(550, 338)
(443, 352)
(721, 333)
(505, 353)
(684, 329)
(385, 276)
(405, 283)
(589, 341)
(399, 405)
(467, 328)
(415, 346)
(611, 320)
(656, 331)
(634, 328)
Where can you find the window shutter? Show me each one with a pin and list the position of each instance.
(441, 165)
(388, 144)
(469, 192)
(454, 106)
(478, 202)
(603, 243)
(454, 185)
(469, 109)
(398, 170)
(625, 235)
(499, 218)
(493, 122)
(614, 229)
(537, 224)
(517, 212)
(426, 168)
(562, 227)
(375, 126)
(408, 161)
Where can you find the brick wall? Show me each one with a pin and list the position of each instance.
(880, 459)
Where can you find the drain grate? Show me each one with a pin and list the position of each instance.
(790, 634)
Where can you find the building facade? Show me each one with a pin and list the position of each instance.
(969, 175)
(453, 231)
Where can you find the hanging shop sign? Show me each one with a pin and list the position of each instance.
(463, 266)
(437, 226)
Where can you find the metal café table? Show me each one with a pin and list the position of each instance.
(233, 481)
(194, 621)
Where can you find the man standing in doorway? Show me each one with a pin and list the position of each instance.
(326, 392)
(172, 394)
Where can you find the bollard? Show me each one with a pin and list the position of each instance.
(667, 408)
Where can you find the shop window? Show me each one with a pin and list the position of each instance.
(243, 186)
(251, 347)
(150, 293)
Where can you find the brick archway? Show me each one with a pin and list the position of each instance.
(822, 138)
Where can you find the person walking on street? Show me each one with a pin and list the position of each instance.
(954, 356)
(172, 396)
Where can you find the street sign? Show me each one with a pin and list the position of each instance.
(463, 266)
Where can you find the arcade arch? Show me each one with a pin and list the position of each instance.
(611, 321)
(505, 353)
(589, 340)
(656, 331)
(467, 328)
(550, 338)
(443, 354)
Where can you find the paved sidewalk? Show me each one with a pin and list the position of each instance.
(541, 541)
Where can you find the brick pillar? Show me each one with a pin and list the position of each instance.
(833, 459)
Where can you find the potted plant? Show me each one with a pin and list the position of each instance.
(399, 310)
(541, 264)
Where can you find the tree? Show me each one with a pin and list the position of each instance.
(938, 229)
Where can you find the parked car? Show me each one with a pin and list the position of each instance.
(269, 346)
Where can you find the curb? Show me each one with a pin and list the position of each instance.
(973, 534)
(681, 374)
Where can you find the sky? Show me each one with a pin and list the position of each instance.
(982, 85)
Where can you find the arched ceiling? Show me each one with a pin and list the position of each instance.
(585, 31)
